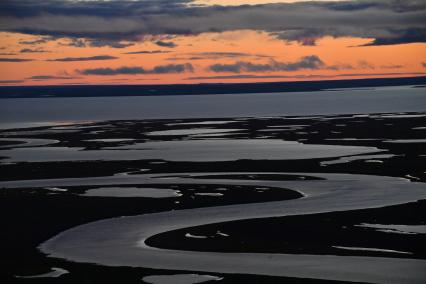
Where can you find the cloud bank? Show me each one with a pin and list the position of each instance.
(147, 52)
(312, 62)
(49, 77)
(126, 70)
(216, 55)
(111, 22)
(15, 60)
(168, 44)
(90, 58)
(36, 50)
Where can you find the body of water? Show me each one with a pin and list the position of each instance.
(44, 111)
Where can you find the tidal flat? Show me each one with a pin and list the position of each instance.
(220, 200)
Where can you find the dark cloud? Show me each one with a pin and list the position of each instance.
(340, 66)
(402, 36)
(168, 44)
(105, 22)
(41, 40)
(109, 43)
(75, 42)
(113, 71)
(172, 68)
(49, 77)
(11, 81)
(15, 60)
(29, 50)
(212, 55)
(362, 64)
(424, 64)
(306, 37)
(90, 58)
(392, 66)
(125, 70)
(217, 55)
(147, 52)
(95, 42)
(312, 62)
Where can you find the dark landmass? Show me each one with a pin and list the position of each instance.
(199, 89)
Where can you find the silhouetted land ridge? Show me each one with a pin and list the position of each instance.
(198, 89)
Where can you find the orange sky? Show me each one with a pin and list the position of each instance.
(405, 59)
(282, 42)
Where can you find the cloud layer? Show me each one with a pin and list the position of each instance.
(109, 22)
(49, 77)
(147, 52)
(90, 58)
(15, 60)
(312, 62)
(126, 70)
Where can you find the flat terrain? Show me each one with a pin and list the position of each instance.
(340, 185)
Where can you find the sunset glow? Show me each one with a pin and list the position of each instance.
(231, 53)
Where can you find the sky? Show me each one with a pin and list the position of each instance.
(62, 42)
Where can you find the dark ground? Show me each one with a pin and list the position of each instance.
(201, 89)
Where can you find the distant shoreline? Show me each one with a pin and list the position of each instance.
(200, 89)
